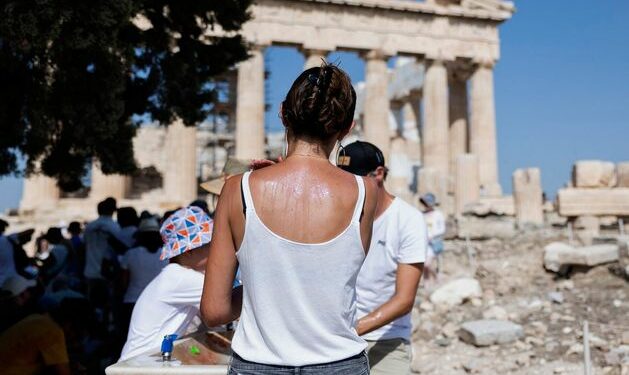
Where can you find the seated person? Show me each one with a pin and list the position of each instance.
(170, 302)
(36, 343)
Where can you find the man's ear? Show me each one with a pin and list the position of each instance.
(380, 173)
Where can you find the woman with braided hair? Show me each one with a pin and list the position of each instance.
(299, 231)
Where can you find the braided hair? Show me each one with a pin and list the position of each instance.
(320, 103)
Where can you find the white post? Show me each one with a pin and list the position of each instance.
(587, 361)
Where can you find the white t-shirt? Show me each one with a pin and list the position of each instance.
(143, 267)
(166, 306)
(436, 223)
(399, 236)
(7, 263)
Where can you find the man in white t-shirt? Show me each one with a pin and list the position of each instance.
(388, 280)
(171, 301)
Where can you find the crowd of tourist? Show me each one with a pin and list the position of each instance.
(67, 309)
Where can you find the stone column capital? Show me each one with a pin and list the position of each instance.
(313, 51)
(374, 55)
(484, 62)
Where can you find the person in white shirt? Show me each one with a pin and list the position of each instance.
(169, 303)
(436, 223)
(389, 277)
(140, 265)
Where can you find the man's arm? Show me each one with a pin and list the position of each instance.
(407, 280)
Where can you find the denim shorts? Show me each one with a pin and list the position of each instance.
(356, 365)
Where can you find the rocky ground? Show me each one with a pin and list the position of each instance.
(515, 287)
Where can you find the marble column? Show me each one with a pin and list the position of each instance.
(250, 137)
(411, 128)
(527, 194)
(108, 185)
(398, 179)
(435, 126)
(39, 191)
(314, 57)
(458, 121)
(434, 136)
(467, 185)
(376, 113)
(483, 127)
(180, 176)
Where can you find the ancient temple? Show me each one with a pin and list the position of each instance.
(433, 115)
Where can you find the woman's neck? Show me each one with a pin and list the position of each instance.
(298, 147)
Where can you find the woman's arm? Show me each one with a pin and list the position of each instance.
(220, 304)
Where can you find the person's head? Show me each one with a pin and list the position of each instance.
(148, 235)
(319, 107)
(127, 217)
(106, 207)
(429, 201)
(363, 159)
(54, 235)
(75, 228)
(185, 234)
(19, 290)
(24, 236)
(201, 204)
(168, 214)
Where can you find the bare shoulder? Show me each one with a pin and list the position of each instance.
(230, 194)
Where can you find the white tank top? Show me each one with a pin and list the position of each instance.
(299, 300)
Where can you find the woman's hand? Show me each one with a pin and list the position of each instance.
(263, 163)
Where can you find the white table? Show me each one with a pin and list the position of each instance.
(212, 358)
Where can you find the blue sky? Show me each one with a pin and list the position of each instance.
(562, 88)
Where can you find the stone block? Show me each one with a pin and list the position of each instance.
(455, 292)
(482, 228)
(558, 254)
(527, 194)
(490, 332)
(622, 172)
(486, 206)
(593, 202)
(594, 174)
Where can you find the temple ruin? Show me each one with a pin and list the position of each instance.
(433, 115)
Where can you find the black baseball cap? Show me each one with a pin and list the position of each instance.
(360, 158)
